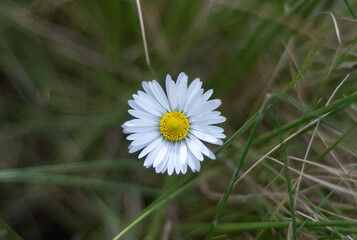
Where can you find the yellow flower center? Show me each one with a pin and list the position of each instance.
(174, 126)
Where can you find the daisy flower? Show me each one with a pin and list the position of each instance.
(169, 128)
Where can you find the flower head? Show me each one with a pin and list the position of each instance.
(169, 127)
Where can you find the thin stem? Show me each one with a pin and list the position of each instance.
(144, 38)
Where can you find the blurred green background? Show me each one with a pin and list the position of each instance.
(68, 68)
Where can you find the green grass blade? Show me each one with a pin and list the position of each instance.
(164, 199)
(74, 181)
(239, 165)
(286, 171)
(334, 107)
(105, 164)
(7, 233)
(199, 229)
(350, 9)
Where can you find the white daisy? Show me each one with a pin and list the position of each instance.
(169, 128)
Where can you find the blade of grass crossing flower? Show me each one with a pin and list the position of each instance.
(234, 177)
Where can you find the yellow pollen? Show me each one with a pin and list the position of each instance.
(174, 126)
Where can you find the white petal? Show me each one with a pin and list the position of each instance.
(206, 137)
(192, 100)
(190, 162)
(194, 86)
(171, 92)
(183, 152)
(192, 90)
(135, 136)
(146, 139)
(161, 154)
(151, 157)
(206, 96)
(170, 161)
(160, 94)
(212, 114)
(177, 158)
(153, 101)
(196, 152)
(142, 129)
(218, 142)
(148, 162)
(207, 129)
(151, 146)
(196, 162)
(134, 105)
(204, 107)
(184, 168)
(157, 170)
(155, 93)
(133, 149)
(147, 105)
(181, 88)
(202, 147)
(140, 123)
(216, 120)
(170, 167)
(147, 89)
(182, 77)
(206, 119)
(162, 167)
(220, 135)
(142, 114)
